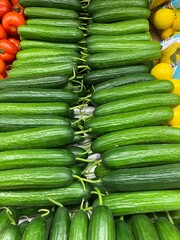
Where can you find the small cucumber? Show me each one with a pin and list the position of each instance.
(11, 232)
(5, 219)
(123, 231)
(76, 170)
(23, 225)
(101, 171)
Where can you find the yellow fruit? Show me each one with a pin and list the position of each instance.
(167, 33)
(162, 71)
(164, 18)
(176, 24)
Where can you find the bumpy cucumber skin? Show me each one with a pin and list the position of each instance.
(11, 232)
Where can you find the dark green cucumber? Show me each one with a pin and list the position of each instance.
(98, 39)
(41, 137)
(100, 171)
(50, 33)
(143, 178)
(64, 4)
(115, 122)
(141, 202)
(122, 58)
(141, 155)
(118, 28)
(76, 170)
(36, 229)
(28, 158)
(70, 195)
(79, 226)
(11, 232)
(137, 103)
(99, 76)
(36, 12)
(166, 230)
(23, 225)
(123, 231)
(143, 228)
(54, 22)
(5, 219)
(96, 6)
(101, 225)
(152, 134)
(124, 80)
(60, 225)
(131, 90)
(26, 95)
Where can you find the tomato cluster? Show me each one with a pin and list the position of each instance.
(11, 16)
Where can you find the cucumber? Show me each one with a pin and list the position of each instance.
(143, 178)
(11, 232)
(137, 103)
(5, 219)
(60, 225)
(28, 158)
(101, 171)
(54, 22)
(99, 76)
(96, 6)
(79, 226)
(120, 14)
(141, 155)
(36, 229)
(131, 90)
(41, 137)
(76, 170)
(70, 195)
(94, 48)
(151, 134)
(23, 225)
(51, 108)
(124, 80)
(50, 33)
(141, 202)
(121, 58)
(123, 231)
(55, 13)
(12, 122)
(64, 4)
(98, 39)
(101, 225)
(166, 230)
(26, 95)
(143, 228)
(115, 122)
(119, 28)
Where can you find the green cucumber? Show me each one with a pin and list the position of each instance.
(70, 195)
(36, 229)
(28, 158)
(64, 4)
(11, 232)
(76, 170)
(119, 28)
(79, 226)
(131, 90)
(98, 39)
(121, 58)
(50, 33)
(143, 228)
(151, 134)
(101, 225)
(115, 122)
(26, 95)
(96, 6)
(36, 12)
(54, 22)
(141, 202)
(101, 171)
(137, 103)
(41, 137)
(5, 219)
(99, 76)
(60, 225)
(94, 48)
(120, 14)
(123, 231)
(23, 225)
(124, 80)
(51, 108)
(143, 178)
(141, 155)
(166, 230)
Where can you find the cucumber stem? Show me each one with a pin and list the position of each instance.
(85, 18)
(82, 28)
(99, 196)
(79, 106)
(169, 218)
(121, 218)
(9, 214)
(82, 132)
(80, 179)
(82, 203)
(74, 75)
(46, 212)
(55, 202)
(84, 160)
(91, 181)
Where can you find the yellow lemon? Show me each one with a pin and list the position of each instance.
(164, 18)
(162, 71)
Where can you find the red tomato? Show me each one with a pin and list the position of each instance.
(18, 8)
(3, 33)
(11, 21)
(5, 7)
(16, 42)
(2, 68)
(7, 50)
(14, 2)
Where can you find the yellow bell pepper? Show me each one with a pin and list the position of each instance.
(168, 52)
